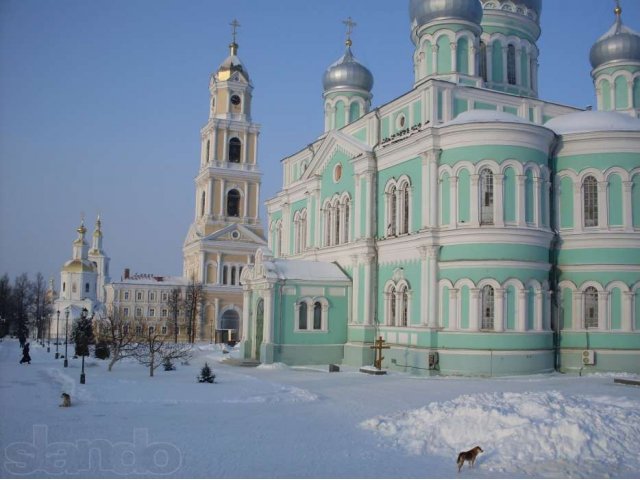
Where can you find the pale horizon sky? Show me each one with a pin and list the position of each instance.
(102, 101)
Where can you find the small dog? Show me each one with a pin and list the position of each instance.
(66, 400)
(469, 456)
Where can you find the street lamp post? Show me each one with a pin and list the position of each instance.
(49, 334)
(84, 346)
(66, 328)
(57, 333)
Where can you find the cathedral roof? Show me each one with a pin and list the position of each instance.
(423, 12)
(620, 43)
(486, 116)
(593, 121)
(347, 74)
(231, 65)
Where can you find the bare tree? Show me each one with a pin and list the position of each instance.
(118, 335)
(153, 348)
(192, 303)
(21, 303)
(40, 307)
(174, 309)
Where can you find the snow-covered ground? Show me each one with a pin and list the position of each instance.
(306, 422)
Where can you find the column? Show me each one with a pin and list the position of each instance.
(257, 201)
(505, 64)
(521, 216)
(537, 203)
(245, 149)
(221, 211)
(603, 205)
(216, 313)
(370, 201)
(454, 56)
(473, 49)
(627, 213)
(246, 312)
(453, 201)
(424, 286)
(225, 146)
(268, 316)
(537, 322)
(546, 321)
(453, 309)
(521, 314)
(254, 160)
(432, 254)
(245, 202)
(578, 317)
(603, 311)
(489, 62)
(433, 188)
(356, 288)
(426, 192)
(368, 285)
(209, 204)
(214, 147)
(357, 208)
(498, 298)
(475, 196)
(474, 309)
(219, 270)
(519, 81)
(627, 312)
(498, 200)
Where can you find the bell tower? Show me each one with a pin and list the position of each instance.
(227, 185)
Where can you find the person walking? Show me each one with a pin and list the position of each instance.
(26, 358)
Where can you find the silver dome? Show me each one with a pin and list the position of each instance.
(535, 5)
(426, 11)
(619, 43)
(347, 74)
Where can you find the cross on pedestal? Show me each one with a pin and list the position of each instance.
(378, 346)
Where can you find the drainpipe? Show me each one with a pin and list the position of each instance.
(553, 257)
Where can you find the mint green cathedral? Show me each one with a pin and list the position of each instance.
(476, 228)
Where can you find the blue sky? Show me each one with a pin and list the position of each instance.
(102, 101)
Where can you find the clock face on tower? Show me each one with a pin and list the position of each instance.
(235, 100)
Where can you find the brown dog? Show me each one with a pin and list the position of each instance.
(66, 400)
(469, 456)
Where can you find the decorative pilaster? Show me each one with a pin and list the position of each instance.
(521, 315)
(454, 317)
(603, 205)
(521, 217)
(453, 201)
(246, 312)
(498, 193)
(475, 196)
(474, 309)
(627, 211)
(498, 298)
(578, 309)
(432, 256)
(626, 325)
(537, 322)
(603, 311)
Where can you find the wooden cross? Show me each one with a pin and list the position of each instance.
(235, 24)
(378, 347)
(350, 24)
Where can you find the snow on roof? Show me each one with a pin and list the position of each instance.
(306, 270)
(593, 121)
(485, 116)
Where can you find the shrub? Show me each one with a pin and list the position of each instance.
(206, 375)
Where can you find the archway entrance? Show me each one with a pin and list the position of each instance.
(229, 328)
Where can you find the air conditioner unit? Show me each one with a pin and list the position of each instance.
(588, 357)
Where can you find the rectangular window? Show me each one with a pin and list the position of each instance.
(139, 296)
(152, 312)
(125, 312)
(138, 329)
(165, 297)
(164, 312)
(152, 330)
(126, 295)
(138, 312)
(164, 330)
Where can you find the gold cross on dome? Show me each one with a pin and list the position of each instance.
(350, 24)
(618, 9)
(235, 24)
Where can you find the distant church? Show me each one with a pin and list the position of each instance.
(473, 226)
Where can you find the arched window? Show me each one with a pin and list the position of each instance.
(64, 286)
(393, 211)
(511, 65)
(590, 200)
(486, 197)
(591, 308)
(203, 199)
(233, 203)
(336, 221)
(392, 306)
(317, 316)
(347, 214)
(327, 225)
(230, 320)
(488, 308)
(404, 306)
(482, 61)
(235, 148)
(404, 228)
(302, 316)
(208, 151)
(233, 275)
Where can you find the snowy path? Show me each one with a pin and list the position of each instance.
(305, 422)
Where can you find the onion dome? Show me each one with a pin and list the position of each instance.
(523, 7)
(619, 44)
(231, 64)
(347, 74)
(423, 12)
